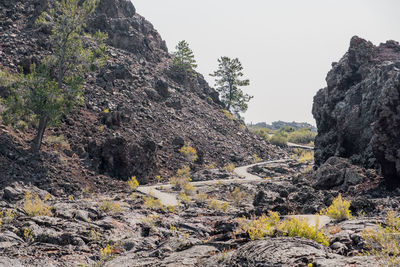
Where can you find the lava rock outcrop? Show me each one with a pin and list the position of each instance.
(358, 113)
(134, 110)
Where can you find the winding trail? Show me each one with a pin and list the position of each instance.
(170, 199)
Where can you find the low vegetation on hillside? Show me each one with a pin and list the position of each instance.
(285, 134)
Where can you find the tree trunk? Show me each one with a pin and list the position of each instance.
(37, 142)
(230, 96)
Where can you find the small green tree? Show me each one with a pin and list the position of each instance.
(184, 57)
(228, 83)
(55, 87)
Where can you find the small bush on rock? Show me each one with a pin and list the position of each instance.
(189, 189)
(7, 216)
(152, 203)
(300, 228)
(261, 227)
(256, 158)
(181, 179)
(338, 210)
(133, 183)
(271, 224)
(184, 197)
(189, 152)
(229, 167)
(34, 206)
(57, 142)
(228, 115)
(28, 235)
(108, 252)
(237, 196)
(110, 206)
(215, 204)
(383, 242)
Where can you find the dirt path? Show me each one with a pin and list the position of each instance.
(170, 199)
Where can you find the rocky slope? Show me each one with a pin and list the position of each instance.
(138, 111)
(70, 207)
(358, 113)
(196, 233)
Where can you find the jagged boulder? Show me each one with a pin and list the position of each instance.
(338, 173)
(358, 113)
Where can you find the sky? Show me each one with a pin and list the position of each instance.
(286, 46)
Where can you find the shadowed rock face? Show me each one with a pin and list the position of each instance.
(358, 113)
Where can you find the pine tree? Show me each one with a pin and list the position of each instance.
(228, 82)
(52, 89)
(184, 57)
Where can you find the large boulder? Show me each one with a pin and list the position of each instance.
(358, 113)
(338, 173)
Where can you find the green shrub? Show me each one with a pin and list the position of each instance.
(287, 129)
(262, 132)
(215, 204)
(228, 115)
(237, 196)
(7, 216)
(229, 167)
(181, 179)
(184, 197)
(300, 228)
(57, 142)
(279, 139)
(302, 155)
(269, 225)
(302, 136)
(133, 183)
(108, 252)
(256, 158)
(110, 206)
(383, 242)
(34, 206)
(152, 203)
(261, 227)
(338, 210)
(189, 152)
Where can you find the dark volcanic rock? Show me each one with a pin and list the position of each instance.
(134, 108)
(338, 172)
(279, 252)
(291, 252)
(358, 113)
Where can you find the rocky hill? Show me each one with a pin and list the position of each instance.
(358, 114)
(72, 206)
(137, 111)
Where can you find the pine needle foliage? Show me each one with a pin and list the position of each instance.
(184, 58)
(228, 81)
(55, 86)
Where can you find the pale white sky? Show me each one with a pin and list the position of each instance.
(285, 46)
